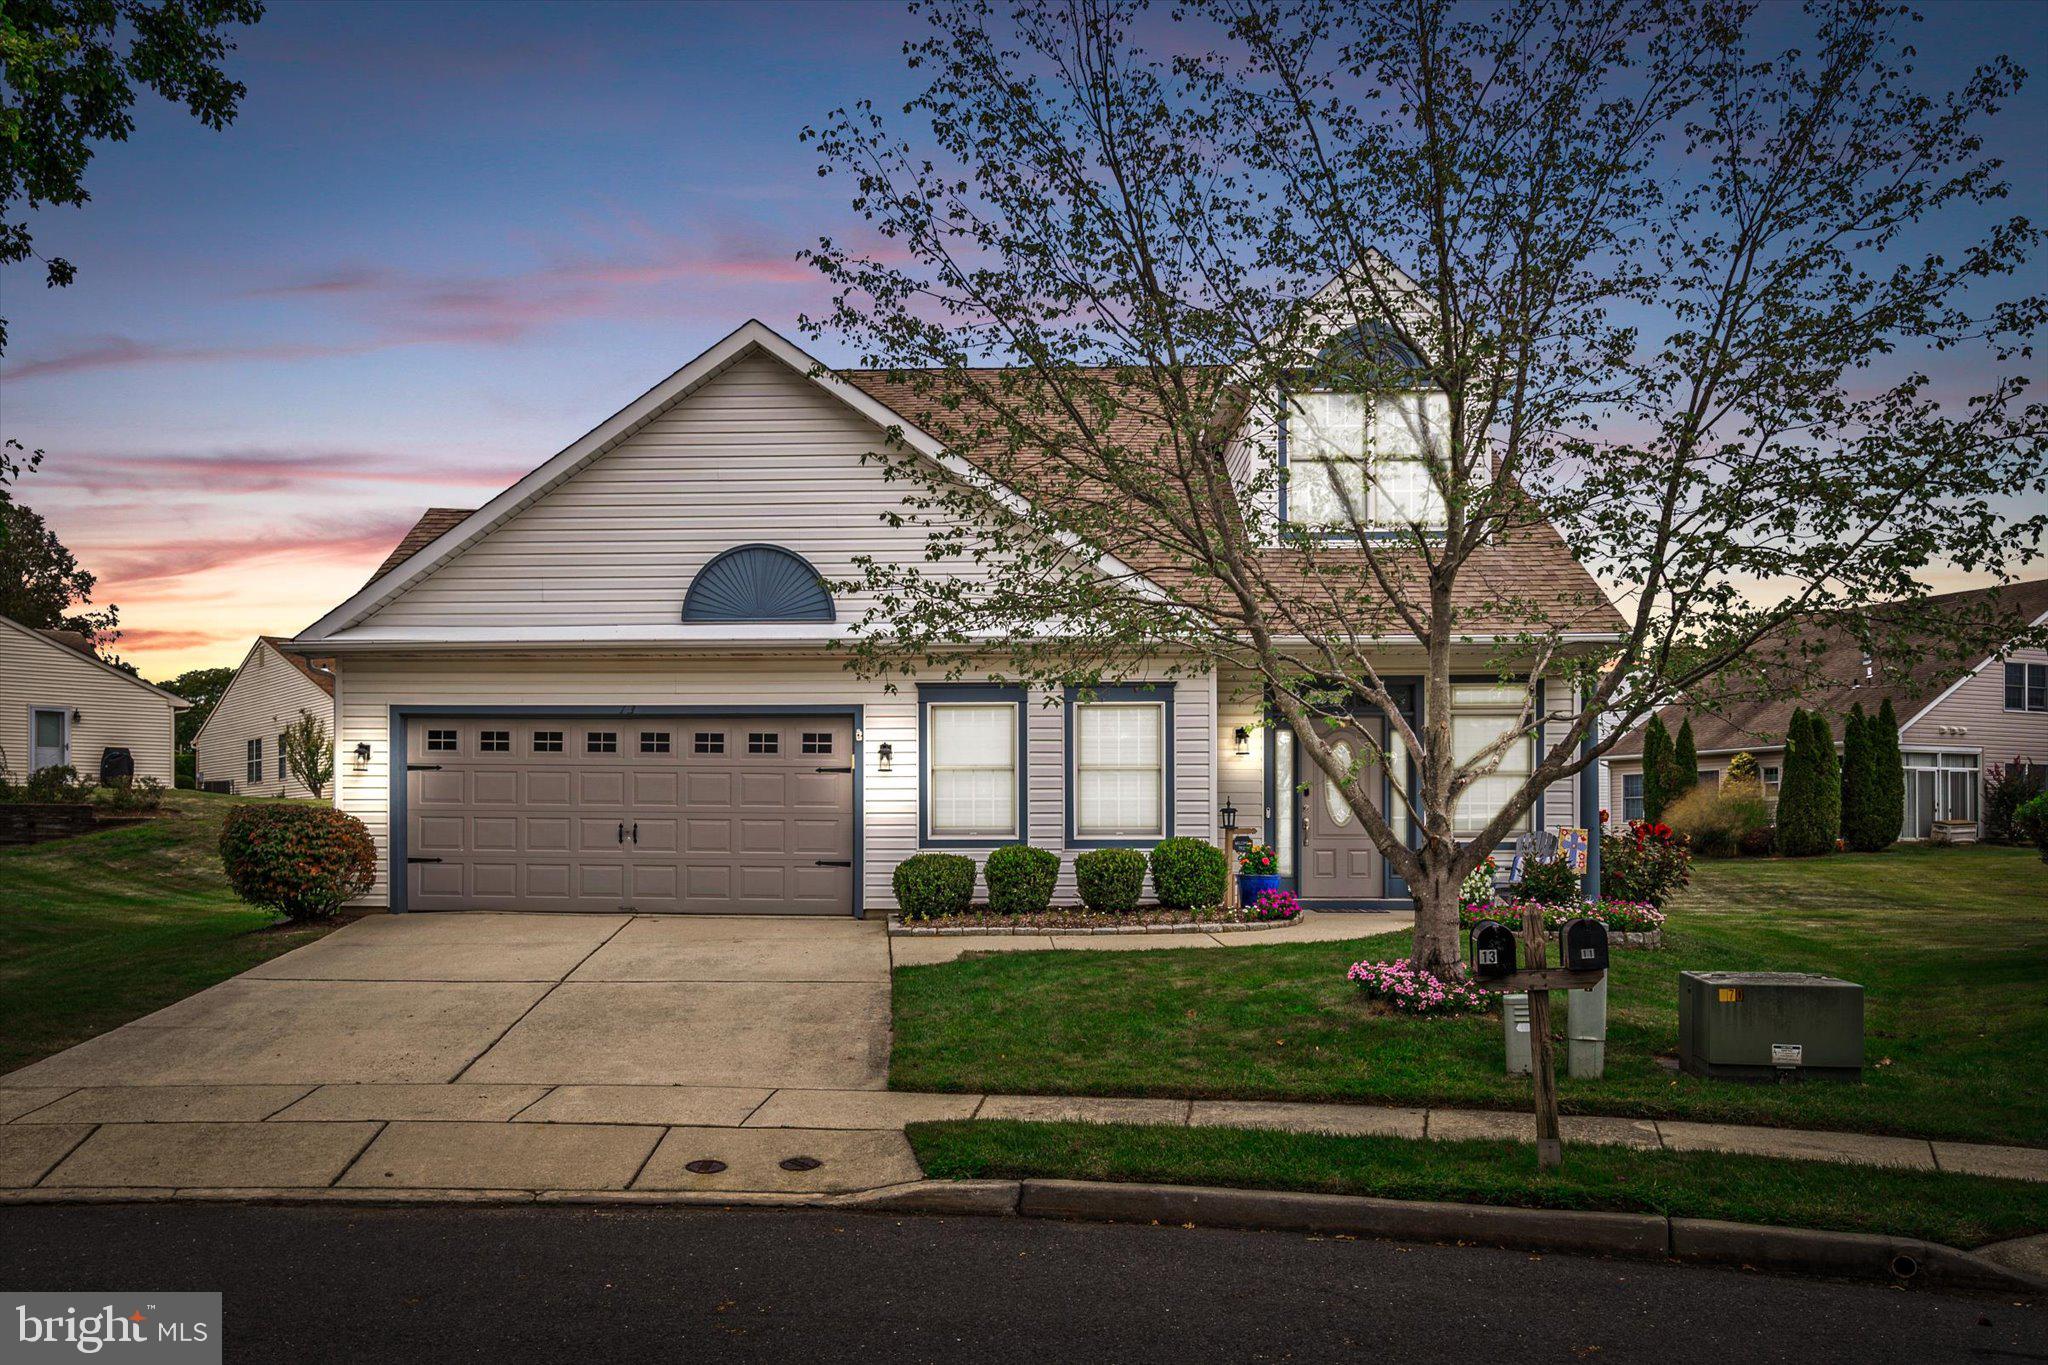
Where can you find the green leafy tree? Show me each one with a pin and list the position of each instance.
(309, 752)
(1614, 267)
(203, 687)
(1888, 777)
(41, 582)
(1685, 761)
(70, 70)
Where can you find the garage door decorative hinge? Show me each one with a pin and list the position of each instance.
(423, 860)
(835, 862)
(423, 767)
(835, 770)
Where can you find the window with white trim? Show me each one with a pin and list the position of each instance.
(1346, 467)
(1480, 714)
(2026, 687)
(1119, 769)
(971, 769)
(1631, 796)
(255, 757)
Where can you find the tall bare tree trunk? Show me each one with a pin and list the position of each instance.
(1437, 937)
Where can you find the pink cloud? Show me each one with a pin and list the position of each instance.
(124, 352)
(128, 568)
(268, 471)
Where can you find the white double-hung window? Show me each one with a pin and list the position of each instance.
(1354, 461)
(1118, 752)
(1480, 714)
(971, 773)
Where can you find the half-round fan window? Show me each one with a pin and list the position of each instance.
(758, 583)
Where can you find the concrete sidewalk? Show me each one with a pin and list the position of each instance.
(490, 1137)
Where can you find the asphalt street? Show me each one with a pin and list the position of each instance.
(317, 1283)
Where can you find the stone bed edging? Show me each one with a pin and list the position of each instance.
(898, 928)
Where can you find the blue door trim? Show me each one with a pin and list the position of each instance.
(395, 875)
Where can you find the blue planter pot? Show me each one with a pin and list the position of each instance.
(1250, 884)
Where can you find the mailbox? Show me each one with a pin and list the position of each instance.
(1584, 942)
(1493, 949)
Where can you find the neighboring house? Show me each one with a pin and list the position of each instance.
(60, 703)
(242, 742)
(1954, 724)
(613, 686)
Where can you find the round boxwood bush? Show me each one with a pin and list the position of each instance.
(2031, 820)
(1110, 879)
(929, 884)
(305, 862)
(1189, 874)
(1020, 879)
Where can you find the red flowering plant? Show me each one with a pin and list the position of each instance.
(1646, 862)
(1258, 860)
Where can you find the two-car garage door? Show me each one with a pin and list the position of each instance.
(712, 814)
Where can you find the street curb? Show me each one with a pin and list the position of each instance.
(1640, 1236)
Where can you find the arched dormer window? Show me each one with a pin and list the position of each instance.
(757, 583)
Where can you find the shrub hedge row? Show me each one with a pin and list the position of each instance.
(1187, 874)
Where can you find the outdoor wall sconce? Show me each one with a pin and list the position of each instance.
(885, 756)
(77, 716)
(363, 751)
(1229, 817)
(1243, 737)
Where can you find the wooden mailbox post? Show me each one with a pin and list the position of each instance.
(1539, 980)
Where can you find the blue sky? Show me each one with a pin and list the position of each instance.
(440, 242)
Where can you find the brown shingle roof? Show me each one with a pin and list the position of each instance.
(1910, 681)
(433, 523)
(1524, 579)
(319, 672)
(76, 640)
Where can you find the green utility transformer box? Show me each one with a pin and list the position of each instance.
(1769, 1026)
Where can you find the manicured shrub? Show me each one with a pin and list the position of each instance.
(1888, 791)
(2031, 819)
(305, 862)
(58, 784)
(1020, 879)
(1685, 761)
(1810, 797)
(928, 884)
(1868, 825)
(1660, 769)
(1645, 862)
(1715, 821)
(1189, 874)
(1552, 883)
(1110, 879)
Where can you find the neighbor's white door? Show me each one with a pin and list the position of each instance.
(50, 744)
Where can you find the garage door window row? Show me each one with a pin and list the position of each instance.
(710, 743)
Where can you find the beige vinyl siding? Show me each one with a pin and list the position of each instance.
(370, 687)
(758, 453)
(266, 696)
(117, 712)
(1973, 717)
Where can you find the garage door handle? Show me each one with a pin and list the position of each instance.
(622, 831)
(636, 831)
(835, 862)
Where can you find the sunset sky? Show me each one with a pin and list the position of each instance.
(440, 242)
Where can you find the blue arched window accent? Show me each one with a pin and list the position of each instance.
(757, 583)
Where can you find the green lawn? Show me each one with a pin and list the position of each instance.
(1951, 944)
(1960, 1210)
(104, 928)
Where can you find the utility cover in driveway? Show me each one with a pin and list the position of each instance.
(716, 815)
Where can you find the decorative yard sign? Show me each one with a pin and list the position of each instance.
(1539, 980)
(1572, 844)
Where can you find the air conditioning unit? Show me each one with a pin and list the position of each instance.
(1769, 1026)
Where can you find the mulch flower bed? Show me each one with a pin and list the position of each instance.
(1146, 919)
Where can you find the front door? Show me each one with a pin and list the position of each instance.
(1338, 859)
(51, 743)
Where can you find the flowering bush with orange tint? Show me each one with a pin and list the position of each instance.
(305, 862)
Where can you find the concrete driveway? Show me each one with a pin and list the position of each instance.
(474, 1051)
